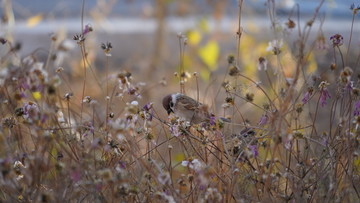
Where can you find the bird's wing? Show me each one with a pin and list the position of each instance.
(188, 103)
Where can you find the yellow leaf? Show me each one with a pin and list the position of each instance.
(312, 65)
(36, 95)
(194, 37)
(34, 20)
(209, 54)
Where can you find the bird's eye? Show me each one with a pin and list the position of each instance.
(171, 104)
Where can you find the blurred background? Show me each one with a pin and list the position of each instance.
(144, 36)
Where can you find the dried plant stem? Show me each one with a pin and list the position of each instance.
(107, 92)
(315, 116)
(182, 68)
(197, 87)
(351, 34)
(239, 32)
(83, 53)
(50, 55)
(342, 57)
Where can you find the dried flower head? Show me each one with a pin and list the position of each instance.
(262, 63)
(229, 100)
(87, 99)
(79, 38)
(323, 85)
(337, 40)
(213, 195)
(234, 70)
(354, 8)
(68, 96)
(290, 24)
(53, 37)
(231, 59)
(275, 46)
(333, 66)
(9, 122)
(3, 40)
(106, 48)
(249, 97)
(299, 108)
(19, 111)
(59, 70)
(356, 91)
(310, 22)
(321, 42)
(345, 75)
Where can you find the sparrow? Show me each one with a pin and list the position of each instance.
(186, 108)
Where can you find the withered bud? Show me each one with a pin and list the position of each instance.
(250, 97)
(234, 71)
(290, 24)
(231, 59)
(229, 100)
(333, 66)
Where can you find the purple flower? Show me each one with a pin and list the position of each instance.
(122, 164)
(148, 106)
(88, 28)
(324, 95)
(325, 141)
(212, 120)
(306, 97)
(349, 86)
(263, 120)
(31, 111)
(254, 150)
(23, 84)
(357, 108)
(175, 131)
(337, 40)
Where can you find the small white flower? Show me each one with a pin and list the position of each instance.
(274, 46)
(18, 165)
(194, 164)
(135, 103)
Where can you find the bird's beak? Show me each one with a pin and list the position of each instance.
(169, 111)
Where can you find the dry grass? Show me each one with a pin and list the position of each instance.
(95, 136)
